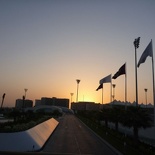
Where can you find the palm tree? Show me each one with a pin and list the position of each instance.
(15, 114)
(115, 116)
(105, 116)
(137, 118)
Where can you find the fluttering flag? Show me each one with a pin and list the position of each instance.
(147, 52)
(121, 71)
(99, 87)
(106, 79)
(2, 100)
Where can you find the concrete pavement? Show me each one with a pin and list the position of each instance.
(73, 137)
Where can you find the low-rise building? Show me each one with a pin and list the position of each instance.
(63, 102)
(46, 101)
(85, 106)
(20, 103)
(37, 102)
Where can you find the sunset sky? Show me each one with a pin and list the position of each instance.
(45, 45)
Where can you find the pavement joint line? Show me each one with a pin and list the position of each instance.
(77, 142)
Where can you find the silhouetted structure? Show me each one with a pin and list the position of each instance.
(85, 106)
(25, 90)
(2, 100)
(22, 103)
(63, 102)
(136, 45)
(145, 89)
(37, 102)
(78, 81)
(113, 85)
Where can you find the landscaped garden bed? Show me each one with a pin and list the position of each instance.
(21, 120)
(124, 143)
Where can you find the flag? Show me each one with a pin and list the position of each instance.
(121, 71)
(3, 96)
(99, 87)
(147, 52)
(106, 79)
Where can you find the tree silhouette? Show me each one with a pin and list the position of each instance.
(105, 116)
(137, 118)
(116, 116)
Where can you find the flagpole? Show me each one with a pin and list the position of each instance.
(153, 82)
(136, 77)
(107, 79)
(111, 92)
(136, 44)
(102, 95)
(125, 87)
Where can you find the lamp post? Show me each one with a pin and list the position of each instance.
(25, 92)
(23, 101)
(146, 95)
(113, 85)
(78, 81)
(136, 45)
(71, 98)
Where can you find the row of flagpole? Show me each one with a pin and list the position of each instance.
(107, 79)
(122, 70)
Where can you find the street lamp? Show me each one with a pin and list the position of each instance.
(25, 92)
(113, 85)
(136, 45)
(78, 81)
(71, 98)
(146, 95)
(23, 101)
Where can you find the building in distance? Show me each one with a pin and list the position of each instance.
(62, 102)
(85, 106)
(20, 103)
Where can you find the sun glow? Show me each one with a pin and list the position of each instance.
(86, 98)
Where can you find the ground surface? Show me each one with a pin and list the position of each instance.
(73, 137)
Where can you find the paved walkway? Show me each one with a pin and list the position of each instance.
(73, 137)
